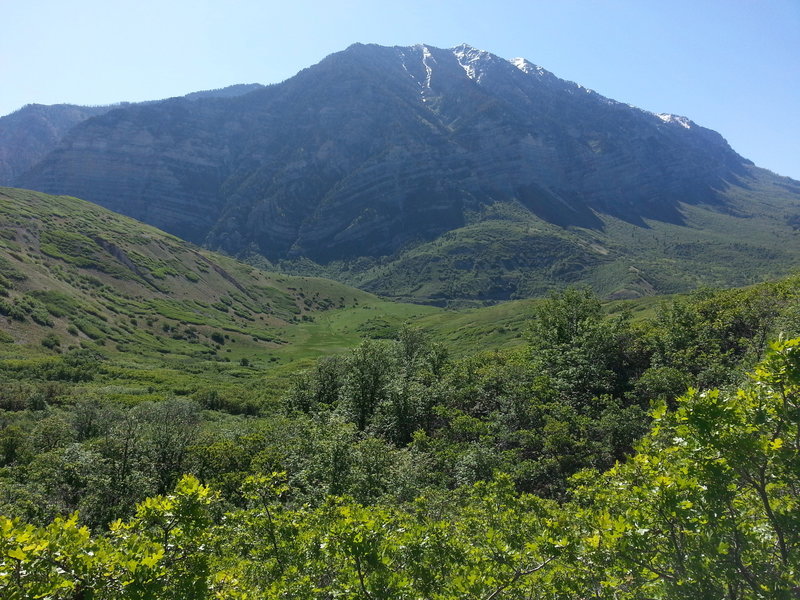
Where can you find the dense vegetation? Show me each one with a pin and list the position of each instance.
(574, 465)
(504, 251)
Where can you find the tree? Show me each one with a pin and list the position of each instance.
(583, 353)
(709, 506)
(162, 552)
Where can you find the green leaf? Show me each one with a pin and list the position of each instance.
(17, 553)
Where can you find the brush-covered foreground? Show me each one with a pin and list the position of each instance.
(572, 465)
(707, 507)
(175, 424)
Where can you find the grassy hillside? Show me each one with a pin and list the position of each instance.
(171, 318)
(74, 276)
(749, 234)
(83, 276)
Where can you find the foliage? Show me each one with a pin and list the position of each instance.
(437, 463)
(157, 554)
(706, 508)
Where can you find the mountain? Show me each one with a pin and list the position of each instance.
(230, 91)
(438, 175)
(28, 134)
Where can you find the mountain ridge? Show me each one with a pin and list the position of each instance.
(376, 150)
(29, 133)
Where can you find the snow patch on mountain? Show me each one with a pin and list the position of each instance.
(522, 64)
(528, 67)
(682, 121)
(470, 58)
(427, 56)
(429, 71)
(405, 68)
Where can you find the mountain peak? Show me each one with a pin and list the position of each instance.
(472, 59)
(684, 122)
(464, 47)
(377, 149)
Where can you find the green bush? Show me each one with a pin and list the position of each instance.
(51, 341)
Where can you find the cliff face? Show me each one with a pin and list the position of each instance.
(27, 135)
(376, 147)
(158, 161)
(384, 145)
(149, 162)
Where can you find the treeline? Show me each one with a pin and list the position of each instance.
(577, 396)
(395, 471)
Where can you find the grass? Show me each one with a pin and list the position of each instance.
(747, 234)
(170, 319)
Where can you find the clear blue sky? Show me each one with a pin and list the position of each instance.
(731, 65)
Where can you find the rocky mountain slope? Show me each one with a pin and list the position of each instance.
(30, 133)
(27, 135)
(360, 161)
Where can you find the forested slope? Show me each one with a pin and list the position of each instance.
(573, 466)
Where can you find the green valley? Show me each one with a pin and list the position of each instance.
(76, 276)
(414, 322)
(178, 424)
